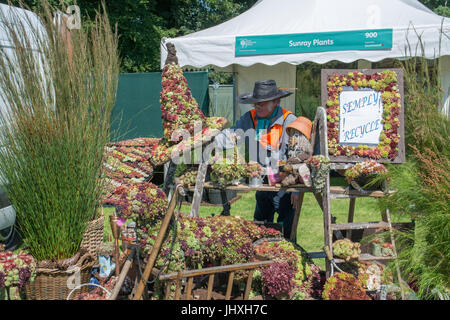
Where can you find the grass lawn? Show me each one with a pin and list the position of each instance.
(310, 225)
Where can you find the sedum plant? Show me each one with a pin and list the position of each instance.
(344, 286)
(59, 88)
(346, 249)
(225, 171)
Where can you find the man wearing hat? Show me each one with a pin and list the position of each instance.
(268, 121)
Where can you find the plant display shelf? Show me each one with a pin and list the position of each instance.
(319, 142)
(207, 204)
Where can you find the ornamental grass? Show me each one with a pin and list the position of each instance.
(423, 182)
(59, 88)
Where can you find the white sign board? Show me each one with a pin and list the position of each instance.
(360, 114)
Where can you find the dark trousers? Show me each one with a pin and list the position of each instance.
(265, 209)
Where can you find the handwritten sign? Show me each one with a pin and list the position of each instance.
(360, 115)
(364, 114)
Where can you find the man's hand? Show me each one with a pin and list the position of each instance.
(294, 200)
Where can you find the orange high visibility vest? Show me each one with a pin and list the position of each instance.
(272, 137)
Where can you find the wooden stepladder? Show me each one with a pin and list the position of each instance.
(319, 137)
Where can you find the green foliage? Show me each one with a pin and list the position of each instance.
(423, 182)
(307, 98)
(438, 6)
(56, 128)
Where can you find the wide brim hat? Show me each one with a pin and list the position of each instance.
(263, 91)
(302, 124)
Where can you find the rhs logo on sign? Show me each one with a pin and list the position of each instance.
(245, 43)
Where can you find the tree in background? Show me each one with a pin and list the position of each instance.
(142, 24)
(438, 6)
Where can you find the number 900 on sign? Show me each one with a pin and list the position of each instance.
(371, 35)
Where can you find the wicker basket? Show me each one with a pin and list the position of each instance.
(52, 284)
(93, 236)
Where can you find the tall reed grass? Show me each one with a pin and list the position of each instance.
(423, 182)
(59, 88)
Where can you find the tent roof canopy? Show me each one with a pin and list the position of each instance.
(408, 19)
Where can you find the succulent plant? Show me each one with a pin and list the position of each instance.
(343, 286)
(387, 84)
(320, 166)
(368, 167)
(188, 177)
(305, 278)
(346, 249)
(16, 269)
(253, 169)
(277, 279)
(225, 171)
(179, 109)
(370, 275)
(142, 202)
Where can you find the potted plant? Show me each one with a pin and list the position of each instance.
(254, 173)
(376, 247)
(344, 286)
(55, 131)
(367, 175)
(319, 166)
(226, 171)
(346, 249)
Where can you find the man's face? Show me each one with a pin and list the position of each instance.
(265, 109)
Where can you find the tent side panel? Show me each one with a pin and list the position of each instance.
(137, 111)
(283, 73)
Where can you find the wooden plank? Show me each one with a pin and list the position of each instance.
(328, 233)
(218, 269)
(167, 293)
(158, 242)
(297, 216)
(265, 187)
(351, 214)
(229, 285)
(210, 286)
(352, 192)
(317, 255)
(122, 276)
(366, 257)
(360, 225)
(189, 288)
(198, 191)
(248, 285)
(178, 285)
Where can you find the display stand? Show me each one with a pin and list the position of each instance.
(319, 142)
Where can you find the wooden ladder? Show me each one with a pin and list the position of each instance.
(319, 134)
(331, 228)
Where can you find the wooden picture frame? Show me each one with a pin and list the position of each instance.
(391, 145)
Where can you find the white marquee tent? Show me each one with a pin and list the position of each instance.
(406, 20)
